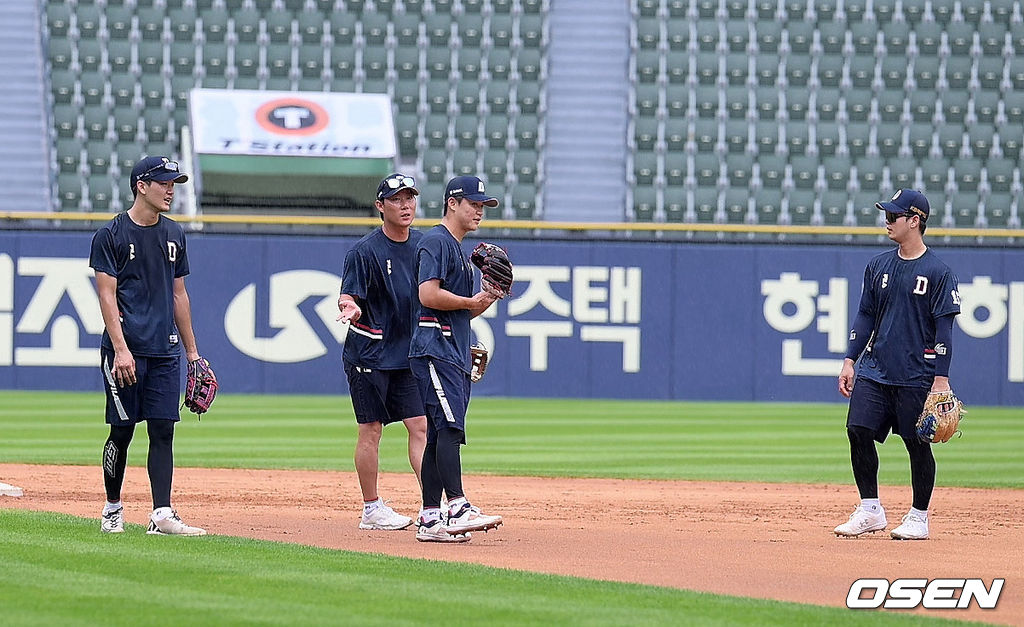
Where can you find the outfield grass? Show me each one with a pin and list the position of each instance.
(773, 442)
(59, 570)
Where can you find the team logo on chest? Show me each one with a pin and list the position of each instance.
(172, 251)
(921, 285)
(389, 266)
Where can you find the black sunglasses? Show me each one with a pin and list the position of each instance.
(891, 217)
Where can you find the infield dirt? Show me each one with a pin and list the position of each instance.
(764, 540)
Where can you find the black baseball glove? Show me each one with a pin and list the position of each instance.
(495, 267)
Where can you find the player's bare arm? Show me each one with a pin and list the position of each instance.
(183, 319)
(349, 310)
(436, 297)
(123, 368)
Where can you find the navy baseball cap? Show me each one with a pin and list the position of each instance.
(156, 169)
(394, 183)
(906, 202)
(470, 188)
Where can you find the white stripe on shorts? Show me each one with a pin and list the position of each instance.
(440, 393)
(113, 392)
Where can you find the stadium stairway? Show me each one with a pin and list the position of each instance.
(587, 110)
(24, 126)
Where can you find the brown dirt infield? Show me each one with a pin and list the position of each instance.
(763, 540)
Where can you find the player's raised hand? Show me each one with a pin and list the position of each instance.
(350, 311)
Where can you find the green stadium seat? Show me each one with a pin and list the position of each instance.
(98, 156)
(967, 174)
(951, 140)
(343, 27)
(706, 101)
(832, 36)
(797, 101)
(675, 132)
(958, 73)
(407, 133)
(466, 129)
(499, 64)
(215, 59)
(471, 29)
(645, 133)
(677, 33)
(737, 205)
(705, 204)
(913, 11)
(434, 165)
(497, 93)
(531, 31)
(928, 36)
(528, 98)
(438, 63)
(804, 171)
(342, 61)
(675, 168)
(92, 87)
(706, 170)
(864, 210)
(645, 204)
(495, 165)
(889, 138)
(934, 174)
(180, 86)
(464, 162)
(500, 31)
(524, 201)
(705, 134)
(965, 208)
(119, 56)
(470, 62)
(990, 73)
(527, 129)
(155, 124)
(496, 131)
(674, 199)
(438, 96)
(997, 209)
(869, 173)
(183, 23)
(65, 120)
(646, 100)
(894, 72)
(58, 20)
(90, 55)
(772, 171)
(767, 99)
(532, 6)
(837, 172)
(100, 193)
(999, 174)
(737, 136)
(119, 22)
(62, 85)
(70, 157)
(738, 169)
(830, 70)
(472, 7)
(501, 6)
(96, 122)
(215, 24)
(530, 65)
(902, 172)
(858, 104)
(310, 23)
(992, 37)
(126, 125)
(922, 106)
(182, 58)
(895, 37)
(834, 207)
(768, 205)
(864, 36)
(798, 134)
(858, 138)
(443, 7)
(374, 29)
(69, 191)
(919, 139)
(151, 57)
(890, 105)
(768, 34)
(151, 23)
(645, 168)
(382, 6)
(960, 37)
(435, 130)
(88, 21)
(707, 35)
(375, 62)
(799, 206)
(979, 137)
(311, 61)
(766, 136)
(647, 8)
(524, 165)
(707, 68)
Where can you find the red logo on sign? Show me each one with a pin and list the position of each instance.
(292, 116)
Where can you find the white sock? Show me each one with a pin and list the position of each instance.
(109, 507)
(456, 504)
(430, 514)
(369, 506)
(920, 513)
(162, 512)
(872, 505)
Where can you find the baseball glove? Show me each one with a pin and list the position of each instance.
(940, 418)
(495, 267)
(479, 356)
(200, 386)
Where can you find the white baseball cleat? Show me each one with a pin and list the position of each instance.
(862, 521)
(384, 518)
(113, 521)
(469, 518)
(172, 525)
(436, 531)
(914, 527)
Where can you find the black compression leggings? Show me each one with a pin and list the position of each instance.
(442, 468)
(864, 458)
(160, 462)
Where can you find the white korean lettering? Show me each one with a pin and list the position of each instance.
(539, 292)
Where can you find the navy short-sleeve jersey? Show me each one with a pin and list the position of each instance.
(443, 335)
(380, 274)
(145, 260)
(904, 297)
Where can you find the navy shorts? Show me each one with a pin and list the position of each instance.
(154, 396)
(880, 408)
(445, 388)
(383, 396)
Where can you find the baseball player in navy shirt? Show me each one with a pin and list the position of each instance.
(440, 359)
(378, 299)
(903, 337)
(141, 260)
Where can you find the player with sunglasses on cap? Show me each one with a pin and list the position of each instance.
(378, 300)
(903, 337)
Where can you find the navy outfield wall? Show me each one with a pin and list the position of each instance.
(586, 319)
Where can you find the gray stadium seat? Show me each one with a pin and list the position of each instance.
(919, 138)
(858, 138)
(524, 164)
(980, 138)
(999, 173)
(869, 173)
(858, 104)
(965, 208)
(675, 169)
(834, 207)
(837, 172)
(804, 171)
(527, 129)
(766, 136)
(645, 204)
(864, 210)
(495, 165)
(705, 204)
(738, 168)
(951, 139)
(889, 138)
(69, 191)
(967, 174)
(767, 99)
(435, 130)
(772, 170)
(470, 63)
(737, 204)
(935, 174)
(1011, 137)
(374, 29)
(645, 168)
(464, 162)
(343, 27)
(902, 172)
(827, 138)
(524, 201)
(896, 37)
(799, 205)
(645, 133)
(674, 198)
(890, 105)
(706, 170)
(768, 204)
(928, 36)
(499, 64)
(998, 209)
(434, 165)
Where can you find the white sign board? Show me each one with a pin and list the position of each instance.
(291, 123)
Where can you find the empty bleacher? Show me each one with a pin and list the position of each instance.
(467, 78)
(816, 109)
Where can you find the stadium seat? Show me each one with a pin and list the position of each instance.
(95, 122)
(928, 36)
(438, 95)
(706, 170)
(992, 37)
(919, 139)
(772, 170)
(705, 135)
(90, 55)
(957, 73)
(902, 172)
(100, 191)
(500, 31)
(804, 171)
(69, 191)
(646, 99)
(70, 156)
(960, 36)
(869, 173)
(343, 27)
(832, 36)
(435, 130)
(531, 31)
(495, 165)
(151, 57)
(737, 136)
(706, 101)
(706, 68)
(645, 204)
(497, 93)
(999, 174)
(151, 22)
(798, 136)
(438, 63)
(525, 164)
(858, 138)
(935, 174)
(496, 131)
(98, 156)
(310, 24)
(530, 65)
(406, 130)
(464, 162)
(985, 106)
(183, 23)
(707, 35)
(527, 130)
(737, 102)
(858, 104)
(964, 207)
(738, 169)
(92, 87)
(826, 103)
(997, 209)
(889, 138)
(645, 168)
(374, 29)
(890, 105)
(834, 207)
(524, 201)
(469, 63)
(675, 169)
(674, 201)
(1011, 137)
(705, 204)
(896, 37)
(768, 205)
(798, 70)
(374, 66)
(864, 210)
(738, 206)
(677, 34)
(766, 136)
(65, 120)
(894, 72)
(863, 35)
(922, 106)
(800, 35)
(926, 72)
(837, 172)
(528, 97)
(951, 140)
(435, 165)
(645, 133)
(967, 174)
(979, 138)
(766, 70)
(767, 99)
(799, 206)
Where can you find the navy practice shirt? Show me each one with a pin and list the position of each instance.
(145, 260)
(443, 335)
(904, 297)
(381, 275)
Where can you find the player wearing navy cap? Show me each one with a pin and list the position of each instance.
(440, 359)
(378, 300)
(903, 336)
(141, 260)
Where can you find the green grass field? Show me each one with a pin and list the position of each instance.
(61, 570)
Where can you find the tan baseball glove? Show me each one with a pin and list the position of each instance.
(478, 356)
(940, 418)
